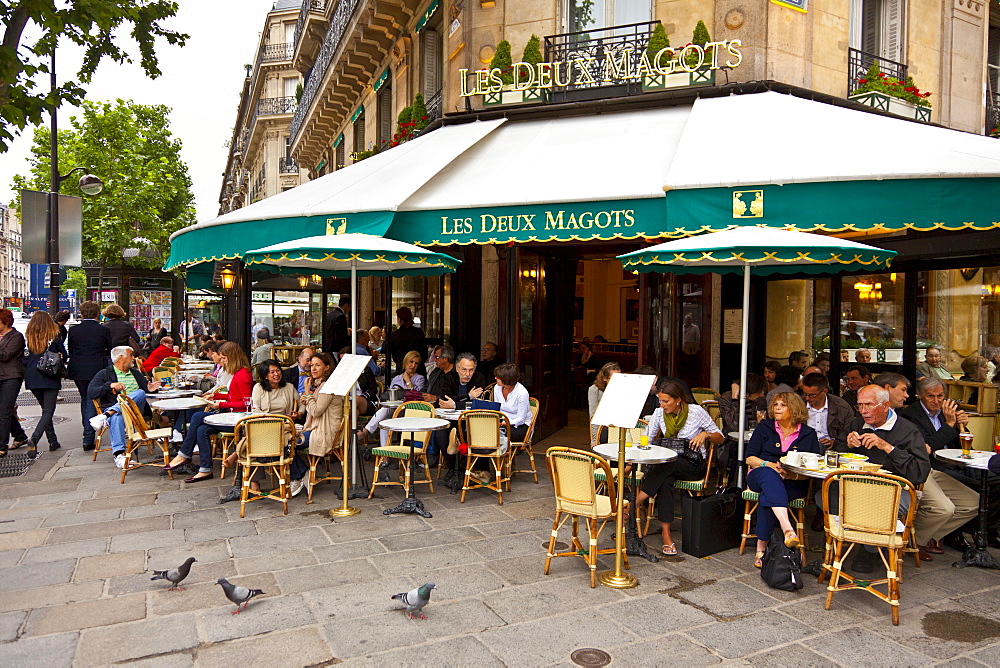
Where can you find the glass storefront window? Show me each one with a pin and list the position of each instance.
(789, 318)
(822, 301)
(426, 296)
(296, 319)
(871, 318)
(958, 311)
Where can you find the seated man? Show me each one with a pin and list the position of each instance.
(895, 444)
(470, 383)
(856, 377)
(729, 403)
(897, 385)
(947, 504)
(828, 415)
(863, 356)
(106, 385)
(160, 353)
(933, 366)
(786, 380)
(442, 384)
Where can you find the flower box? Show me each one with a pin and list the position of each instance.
(893, 105)
(510, 96)
(703, 77)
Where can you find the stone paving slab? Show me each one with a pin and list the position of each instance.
(76, 548)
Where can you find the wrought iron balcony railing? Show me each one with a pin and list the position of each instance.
(272, 52)
(288, 166)
(318, 6)
(593, 45)
(992, 97)
(331, 41)
(859, 62)
(433, 107)
(272, 106)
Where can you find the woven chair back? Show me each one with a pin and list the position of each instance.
(869, 503)
(415, 409)
(135, 424)
(480, 429)
(534, 406)
(266, 435)
(613, 433)
(573, 476)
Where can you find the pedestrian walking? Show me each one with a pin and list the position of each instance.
(122, 331)
(11, 377)
(42, 336)
(89, 352)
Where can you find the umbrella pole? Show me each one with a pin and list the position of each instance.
(346, 510)
(743, 370)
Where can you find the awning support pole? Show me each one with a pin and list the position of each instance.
(745, 337)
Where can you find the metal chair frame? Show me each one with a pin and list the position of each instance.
(138, 433)
(517, 447)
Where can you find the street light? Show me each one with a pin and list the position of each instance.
(89, 184)
(228, 277)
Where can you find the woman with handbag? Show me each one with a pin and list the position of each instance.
(44, 367)
(676, 419)
(785, 429)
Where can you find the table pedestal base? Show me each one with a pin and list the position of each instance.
(635, 546)
(623, 581)
(977, 556)
(344, 512)
(410, 504)
(353, 493)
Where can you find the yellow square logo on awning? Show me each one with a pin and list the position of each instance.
(748, 204)
(336, 225)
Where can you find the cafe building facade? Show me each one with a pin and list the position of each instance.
(604, 145)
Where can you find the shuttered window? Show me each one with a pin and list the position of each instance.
(878, 28)
(359, 133)
(430, 58)
(385, 119)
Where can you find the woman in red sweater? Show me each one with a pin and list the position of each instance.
(233, 360)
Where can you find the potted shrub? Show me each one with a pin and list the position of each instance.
(703, 76)
(502, 60)
(657, 42)
(881, 91)
(533, 55)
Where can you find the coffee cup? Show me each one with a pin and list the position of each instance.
(793, 458)
(810, 460)
(855, 465)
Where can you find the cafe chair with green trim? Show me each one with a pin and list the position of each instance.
(574, 474)
(401, 452)
(703, 394)
(868, 514)
(607, 434)
(336, 452)
(138, 433)
(264, 442)
(517, 447)
(797, 507)
(480, 431)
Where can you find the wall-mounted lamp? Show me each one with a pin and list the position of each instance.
(303, 282)
(228, 277)
(316, 278)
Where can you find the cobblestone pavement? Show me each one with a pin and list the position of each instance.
(76, 547)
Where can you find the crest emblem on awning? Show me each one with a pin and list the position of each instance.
(748, 204)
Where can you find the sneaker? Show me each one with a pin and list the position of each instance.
(297, 487)
(120, 461)
(99, 422)
(176, 437)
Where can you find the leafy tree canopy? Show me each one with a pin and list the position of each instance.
(147, 189)
(24, 90)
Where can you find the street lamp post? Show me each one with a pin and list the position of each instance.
(89, 184)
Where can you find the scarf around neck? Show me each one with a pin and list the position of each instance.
(672, 422)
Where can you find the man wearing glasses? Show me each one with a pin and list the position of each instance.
(828, 415)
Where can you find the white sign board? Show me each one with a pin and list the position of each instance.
(349, 368)
(621, 405)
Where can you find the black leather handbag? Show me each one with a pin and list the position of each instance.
(781, 567)
(682, 446)
(50, 363)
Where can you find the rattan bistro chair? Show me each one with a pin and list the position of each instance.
(336, 453)
(797, 508)
(265, 442)
(138, 433)
(480, 431)
(573, 474)
(868, 514)
(99, 434)
(401, 452)
(517, 447)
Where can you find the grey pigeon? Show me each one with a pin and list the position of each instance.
(236, 594)
(416, 599)
(175, 575)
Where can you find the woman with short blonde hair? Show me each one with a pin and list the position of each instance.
(596, 391)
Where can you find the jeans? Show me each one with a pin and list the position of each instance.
(9, 390)
(46, 398)
(775, 492)
(299, 468)
(87, 411)
(116, 423)
(200, 433)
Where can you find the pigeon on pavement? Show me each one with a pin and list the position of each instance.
(238, 595)
(175, 575)
(416, 599)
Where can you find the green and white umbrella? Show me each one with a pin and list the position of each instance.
(352, 255)
(761, 250)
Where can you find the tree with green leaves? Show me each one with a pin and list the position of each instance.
(701, 38)
(76, 279)
(147, 190)
(24, 65)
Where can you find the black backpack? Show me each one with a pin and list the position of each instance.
(781, 567)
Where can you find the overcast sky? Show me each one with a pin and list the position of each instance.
(201, 83)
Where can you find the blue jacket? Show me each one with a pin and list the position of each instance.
(33, 380)
(90, 349)
(766, 444)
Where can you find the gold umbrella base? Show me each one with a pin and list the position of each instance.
(344, 512)
(617, 580)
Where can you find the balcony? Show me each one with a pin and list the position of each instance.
(274, 106)
(433, 107)
(288, 165)
(592, 46)
(270, 53)
(992, 97)
(309, 30)
(859, 62)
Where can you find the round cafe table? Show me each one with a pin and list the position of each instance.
(634, 455)
(170, 394)
(976, 555)
(180, 404)
(229, 420)
(411, 504)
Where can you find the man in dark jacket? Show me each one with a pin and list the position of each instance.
(470, 383)
(121, 376)
(89, 346)
(828, 414)
(297, 373)
(335, 334)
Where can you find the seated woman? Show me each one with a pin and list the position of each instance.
(408, 380)
(975, 369)
(784, 430)
(596, 391)
(324, 413)
(675, 418)
(271, 395)
(233, 361)
(513, 399)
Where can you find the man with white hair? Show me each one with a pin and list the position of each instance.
(121, 376)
